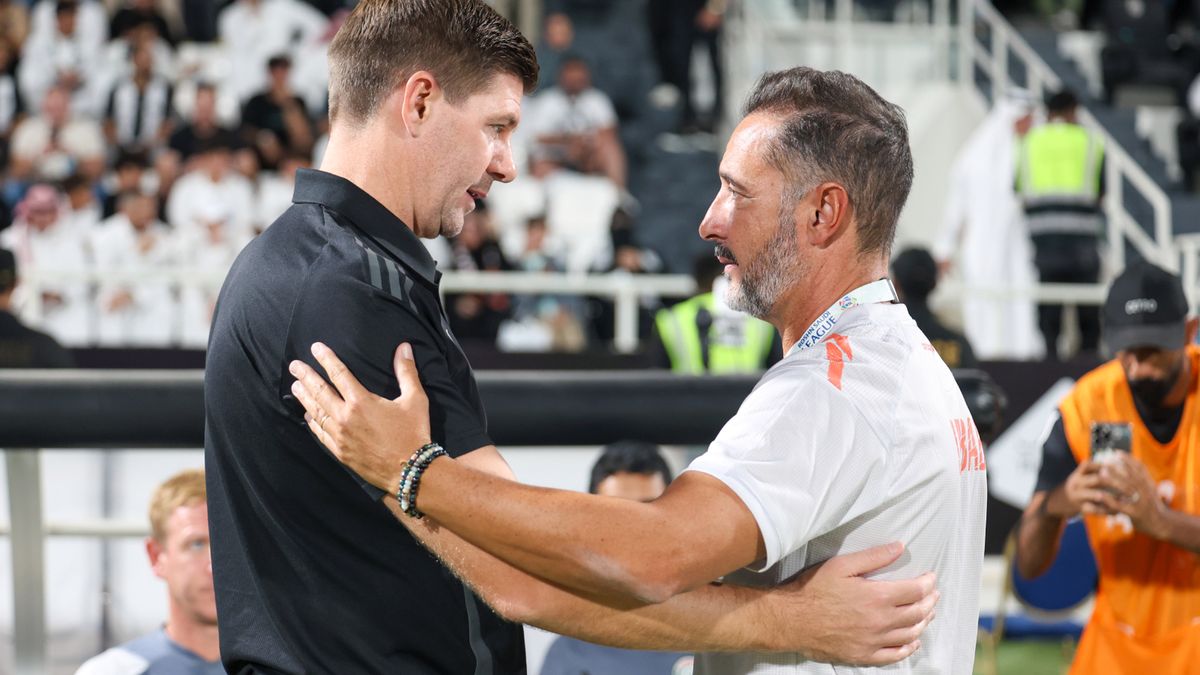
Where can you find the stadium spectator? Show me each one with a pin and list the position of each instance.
(91, 22)
(575, 128)
(626, 470)
(55, 144)
(179, 555)
(1060, 181)
(139, 106)
(984, 240)
(84, 211)
(47, 245)
(915, 274)
(543, 322)
(207, 251)
(628, 257)
(12, 106)
(1124, 455)
(117, 58)
(128, 175)
(65, 56)
(142, 310)
(275, 122)
(275, 190)
(21, 346)
(135, 13)
(678, 25)
(257, 30)
(211, 180)
(14, 23)
(478, 316)
(201, 127)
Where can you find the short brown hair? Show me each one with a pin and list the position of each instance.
(834, 127)
(464, 43)
(183, 489)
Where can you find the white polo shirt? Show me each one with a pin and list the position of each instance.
(860, 440)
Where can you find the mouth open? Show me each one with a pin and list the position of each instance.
(725, 257)
(476, 193)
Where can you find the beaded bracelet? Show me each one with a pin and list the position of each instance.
(410, 478)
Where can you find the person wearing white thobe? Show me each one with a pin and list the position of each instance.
(213, 181)
(984, 226)
(137, 306)
(207, 253)
(52, 256)
(252, 31)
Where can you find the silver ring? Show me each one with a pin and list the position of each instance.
(1135, 498)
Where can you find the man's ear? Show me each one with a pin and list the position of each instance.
(154, 551)
(1191, 327)
(828, 213)
(413, 104)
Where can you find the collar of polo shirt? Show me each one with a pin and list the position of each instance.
(368, 215)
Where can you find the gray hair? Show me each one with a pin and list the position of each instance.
(833, 127)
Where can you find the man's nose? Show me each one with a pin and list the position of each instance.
(503, 168)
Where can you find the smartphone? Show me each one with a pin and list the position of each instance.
(1110, 438)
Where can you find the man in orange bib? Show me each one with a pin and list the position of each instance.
(1125, 455)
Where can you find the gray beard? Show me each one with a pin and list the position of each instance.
(766, 280)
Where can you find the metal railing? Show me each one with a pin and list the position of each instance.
(993, 60)
(625, 290)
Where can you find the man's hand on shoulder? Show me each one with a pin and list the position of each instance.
(840, 616)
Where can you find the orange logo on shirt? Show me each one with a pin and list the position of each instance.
(837, 352)
(970, 447)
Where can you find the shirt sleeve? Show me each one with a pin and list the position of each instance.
(1058, 462)
(799, 459)
(363, 327)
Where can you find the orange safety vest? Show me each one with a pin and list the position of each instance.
(1147, 614)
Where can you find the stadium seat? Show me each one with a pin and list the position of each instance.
(1048, 601)
(1138, 51)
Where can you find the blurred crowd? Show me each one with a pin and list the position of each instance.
(145, 142)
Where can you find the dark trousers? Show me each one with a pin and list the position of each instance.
(1068, 259)
(673, 33)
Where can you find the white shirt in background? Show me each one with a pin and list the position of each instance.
(188, 205)
(150, 319)
(43, 257)
(253, 33)
(273, 198)
(857, 441)
(207, 255)
(554, 112)
(80, 139)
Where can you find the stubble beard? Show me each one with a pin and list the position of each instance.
(765, 280)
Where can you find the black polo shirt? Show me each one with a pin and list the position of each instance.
(313, 573)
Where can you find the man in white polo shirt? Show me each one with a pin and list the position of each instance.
(858, 437)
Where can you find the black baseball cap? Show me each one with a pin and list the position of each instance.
(1146, 307)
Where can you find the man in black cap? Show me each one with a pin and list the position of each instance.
(915, 275)
(21, 346)
(1125, 454)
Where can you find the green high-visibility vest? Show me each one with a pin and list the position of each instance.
(1059, 165)
(736, 343)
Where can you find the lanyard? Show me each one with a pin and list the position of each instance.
(876, 291)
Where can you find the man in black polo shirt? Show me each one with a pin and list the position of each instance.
(313, 573)
(313, 568)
